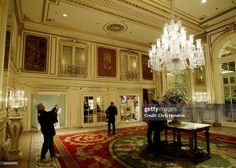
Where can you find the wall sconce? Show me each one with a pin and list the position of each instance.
(16, 101)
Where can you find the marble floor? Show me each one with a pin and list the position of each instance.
(30, 142)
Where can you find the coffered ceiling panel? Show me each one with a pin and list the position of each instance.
(135, 21)
(204, 10)
(100, 23)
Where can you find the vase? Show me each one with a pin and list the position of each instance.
(15, 128)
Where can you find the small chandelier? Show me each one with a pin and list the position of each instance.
(16, 101)
(174, 50)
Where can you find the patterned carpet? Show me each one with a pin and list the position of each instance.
(90, 149)
(131, 151)
(127, 148)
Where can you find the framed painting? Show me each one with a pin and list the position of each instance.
(147, 73)
(35, 53)
(106, 62)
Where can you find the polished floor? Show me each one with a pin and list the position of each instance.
(31, 149)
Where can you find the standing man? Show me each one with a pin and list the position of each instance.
(154, 128)
(111, 112)
(47, 121)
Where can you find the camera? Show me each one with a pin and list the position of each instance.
(55, 108)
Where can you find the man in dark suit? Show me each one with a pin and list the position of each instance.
(155, 127)
(47, 121)
(111, 112)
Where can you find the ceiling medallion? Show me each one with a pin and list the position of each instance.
(115, 27)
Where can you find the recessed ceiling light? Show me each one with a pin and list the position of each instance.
(204, 1)
(64, 14)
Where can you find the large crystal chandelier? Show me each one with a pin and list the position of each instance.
(175, 50)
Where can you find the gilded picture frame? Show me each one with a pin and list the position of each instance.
(35, 53)
(106, 62)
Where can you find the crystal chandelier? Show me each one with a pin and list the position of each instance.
(16, 101)
(175, 50)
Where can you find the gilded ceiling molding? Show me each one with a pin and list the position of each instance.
(53, 1)
(218, 15)
(27, 18)
(154, 18)
(18, 14)
(153, 6)
(104, 6)
(83, 32)
(230, 27)
(201, 36)
(46, 10)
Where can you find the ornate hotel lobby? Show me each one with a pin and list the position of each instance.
(168, 67)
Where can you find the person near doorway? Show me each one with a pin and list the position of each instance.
(47, 121)
(111, 112)
(234, 97)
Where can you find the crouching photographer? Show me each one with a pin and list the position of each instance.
(47, 121)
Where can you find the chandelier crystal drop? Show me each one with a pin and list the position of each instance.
(175, 50)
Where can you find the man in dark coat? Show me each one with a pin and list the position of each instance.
(111, 112)
(47, 121)
(155, 127)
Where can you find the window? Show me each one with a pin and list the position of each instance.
(129, 65)
(228, 70)
(229, 48)
(73, 60)
(227, 65)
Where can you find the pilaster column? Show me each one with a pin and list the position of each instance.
(3, 27)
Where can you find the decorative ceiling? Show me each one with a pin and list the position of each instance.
(134, 21)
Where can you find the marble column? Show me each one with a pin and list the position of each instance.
(3, 28)
(4, 143)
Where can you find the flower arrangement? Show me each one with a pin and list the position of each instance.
(175, 96)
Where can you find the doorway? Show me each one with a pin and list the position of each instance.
(130, 110)
(94, 110)
(49, 99)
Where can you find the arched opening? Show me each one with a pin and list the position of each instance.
(224, 59)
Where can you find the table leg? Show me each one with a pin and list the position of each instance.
(179, 140)
(191, 142)
(174, 135)
(166, 135)
(207, 142)
(195, 141)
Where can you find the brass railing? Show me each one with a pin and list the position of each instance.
(129, 75)
(75, 71)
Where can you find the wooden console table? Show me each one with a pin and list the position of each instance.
(191, 129)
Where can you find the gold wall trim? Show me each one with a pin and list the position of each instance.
(85, 41)
(91, 33)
